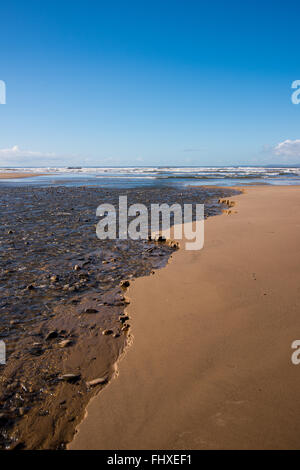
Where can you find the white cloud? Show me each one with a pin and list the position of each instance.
(288, 148)
(14, 156)
(15, 151)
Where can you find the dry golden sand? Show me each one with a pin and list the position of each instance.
(210, 364)
(12, 175)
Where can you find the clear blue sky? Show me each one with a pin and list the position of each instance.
(149, 82)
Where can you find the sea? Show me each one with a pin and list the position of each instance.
(155, 176)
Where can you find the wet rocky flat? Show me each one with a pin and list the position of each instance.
(62, 302)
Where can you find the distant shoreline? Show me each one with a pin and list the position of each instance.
(9, 175)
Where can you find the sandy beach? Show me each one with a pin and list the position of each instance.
(209, 366)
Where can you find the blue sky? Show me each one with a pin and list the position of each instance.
(148, 83)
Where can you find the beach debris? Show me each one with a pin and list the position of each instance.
(30, 287)
(71, 378)
(99, 381)
(125, 327)
(51, 335)
(77, 267)
(54, 278)
(107, 332)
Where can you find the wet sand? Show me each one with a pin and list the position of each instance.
(13, 175)
(210, 362)
(61, 304)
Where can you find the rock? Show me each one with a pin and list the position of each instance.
(123, 318)
(4, 418)
(125, 327)
(99, 381)
(36, 351)
(116, 335)
(30, 287)
(77, 267)
(71, 378)
(54, 278)
(65, 343)
(51, 335)
(91, 310)
(125, 284)
(107, 332)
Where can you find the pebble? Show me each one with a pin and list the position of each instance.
(71, 378)
(91, 310)
(125, 284)
(99, 381)
(123, 318)
(65, 343)
(51, 335)
(107, 332)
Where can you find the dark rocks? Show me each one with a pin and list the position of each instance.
(51, 335)
(4, 419)
(123, 318)
(107, 332)
(91, 310)
(125, 284)
(36, 351)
